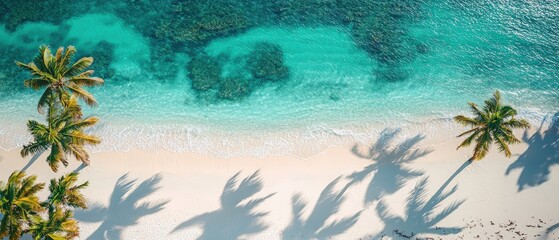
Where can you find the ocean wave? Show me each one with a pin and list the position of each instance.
(301, 142)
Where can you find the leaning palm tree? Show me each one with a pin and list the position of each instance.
(60, 77)
(63, 134)
(64, 192)
(60, 225)
(18, 203)
(493, 124)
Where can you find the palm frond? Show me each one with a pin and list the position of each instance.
(483, 144)
(79, 153)
(77, 125)
(503, 146)
(86, 81)
(36, 83)
(55, 157)
(82, 138)
(70, 51)
(467, 132)
(35, 71)
(40, 60)
(85, 74)
(78, 66)
(517, 123)
(58, 55)
(38, 130)
(469, 139)
(47, 57)
(82, 94)
(494, 103)
(45, 99)
(65, 192)
(507, 112)
(475, 110)
(72, 109)
(33, 148)
(28, 186)
(466, 121)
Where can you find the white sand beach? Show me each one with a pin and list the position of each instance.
(388, 190)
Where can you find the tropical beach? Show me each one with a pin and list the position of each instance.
(279, 120)
(191, 196)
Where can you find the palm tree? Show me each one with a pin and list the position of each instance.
(59, 226)
(18, 203)
(65, 193)
(63, 135)
(60, 223)
(493, 124)
(60, 77)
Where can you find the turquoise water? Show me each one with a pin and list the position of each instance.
(432, 57)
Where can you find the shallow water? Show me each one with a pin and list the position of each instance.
(450, 53)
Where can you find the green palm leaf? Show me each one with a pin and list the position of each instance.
(469, 139)
(492, 125)
(70, 52)
(63, 135)
(79, 124)
(466, 121)
(59, 76)
(59, 225)
(78, 66)
(64, 192)
(18, 204)
(82, 94)
(86, 81)
(36, 83)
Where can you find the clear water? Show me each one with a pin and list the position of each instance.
(334, 87)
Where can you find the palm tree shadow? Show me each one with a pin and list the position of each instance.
(552, 228)
(315, 226)
(541, 155)
(419, 217)
(237, 216)
(388, 164)
(32, 160)
(125, 208)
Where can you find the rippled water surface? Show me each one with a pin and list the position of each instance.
(349, 63)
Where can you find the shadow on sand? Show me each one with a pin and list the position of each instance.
(552, 228)
(388, 164)
(541, 155)
(315, 226)
(420, 217)
(237, 216)
(32, 160)
(123, 211)
(79, 168)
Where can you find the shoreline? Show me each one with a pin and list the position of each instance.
(302, 142)
(187, 186)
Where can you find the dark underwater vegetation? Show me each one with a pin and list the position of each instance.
(401, 56)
